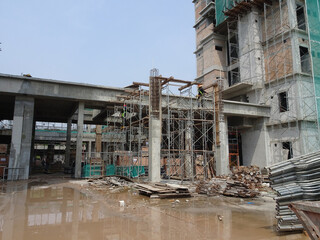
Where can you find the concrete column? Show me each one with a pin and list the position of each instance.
(21, 141)
(222, 153)
(155, 121)
(89, 148)
(251, 52)
(79, 140)
(188, 146)
(154, 149)
(98, 147)
(292, 13)
(68, 144)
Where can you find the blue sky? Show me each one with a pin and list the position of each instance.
(105, 42)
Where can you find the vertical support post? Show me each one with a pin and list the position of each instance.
(154, 126)
(222, 160)
(98, 141)
(68, 144)
(188, 146)
(90, 148)
(21, 141)
(79, 140)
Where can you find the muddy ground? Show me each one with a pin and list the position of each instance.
(62, 208)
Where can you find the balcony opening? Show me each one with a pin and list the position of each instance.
(233, 76)
(305, 60)
(287, 150)
(283, 102)
(301, 20)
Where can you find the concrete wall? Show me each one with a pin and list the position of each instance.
(255, 149)
(272, 98)
(278, 59)
(279, 134)
(250, 49)
(275, 24)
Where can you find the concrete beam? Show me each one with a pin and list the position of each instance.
(39, 87)
(233, 108)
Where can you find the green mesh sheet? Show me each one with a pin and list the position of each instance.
(223, 5)
(313, 18)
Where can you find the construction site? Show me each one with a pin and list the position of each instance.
(239, 144)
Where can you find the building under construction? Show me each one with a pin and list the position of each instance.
(257, 61)
(265, 53)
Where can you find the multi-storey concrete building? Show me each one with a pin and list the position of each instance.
(264, 55)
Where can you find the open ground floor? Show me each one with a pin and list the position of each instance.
(48, 207)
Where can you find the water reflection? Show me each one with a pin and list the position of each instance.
(39, 211)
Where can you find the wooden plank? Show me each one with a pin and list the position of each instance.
(148, 187)
(174, 195)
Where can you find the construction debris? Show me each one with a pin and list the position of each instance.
(294, 180)
(117, 181)
(244, 182)
(250, 176)
(159, 190)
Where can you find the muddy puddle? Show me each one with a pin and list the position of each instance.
(39, 210)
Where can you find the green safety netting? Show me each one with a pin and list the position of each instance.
(128, 171)
(313, 18)
(223, 5)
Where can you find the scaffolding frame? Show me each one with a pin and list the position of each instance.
(300, 116)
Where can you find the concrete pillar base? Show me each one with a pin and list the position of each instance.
(154, 149)
(21, 142)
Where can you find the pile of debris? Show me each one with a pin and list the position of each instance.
(117, 181)
(295, 180)
(250, 176)
(213, 187)
(239, 189)
(244, 182)
(159, 190)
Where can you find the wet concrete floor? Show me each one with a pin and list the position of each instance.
(42, 210)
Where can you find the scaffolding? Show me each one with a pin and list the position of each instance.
(285, 82)
(293, 123)
(190, 132)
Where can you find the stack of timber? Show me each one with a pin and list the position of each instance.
(160, 190)
(294, 180)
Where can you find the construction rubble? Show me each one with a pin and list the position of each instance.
(243, 182)
(294, 180)
(157, 190)
(112, 181)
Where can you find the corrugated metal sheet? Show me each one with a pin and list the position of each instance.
(295, 180)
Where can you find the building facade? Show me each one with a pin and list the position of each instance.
(263, 54)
